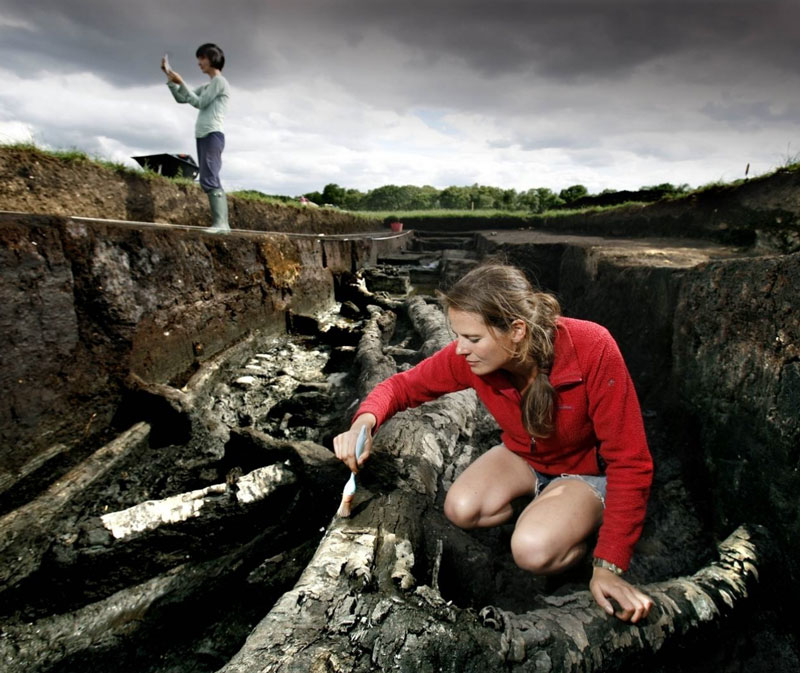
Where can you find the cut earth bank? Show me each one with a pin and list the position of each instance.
(707, 322)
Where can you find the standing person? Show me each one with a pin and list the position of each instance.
(572, 430)
(212, 101)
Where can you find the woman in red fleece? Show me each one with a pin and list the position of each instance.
(572, 431)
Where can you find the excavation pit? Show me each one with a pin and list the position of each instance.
(707, 328)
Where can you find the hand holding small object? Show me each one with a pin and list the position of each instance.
(344, 444)
(172, 76)
(350, 487)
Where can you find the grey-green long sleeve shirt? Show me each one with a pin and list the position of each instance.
(211, 99)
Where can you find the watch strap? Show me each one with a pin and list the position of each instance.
(602, 563)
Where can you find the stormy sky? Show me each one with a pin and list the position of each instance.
(611, 94)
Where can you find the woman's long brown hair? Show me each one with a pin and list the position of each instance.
(501, 294)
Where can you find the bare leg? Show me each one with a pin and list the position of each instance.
(550, 533)
(482, 494)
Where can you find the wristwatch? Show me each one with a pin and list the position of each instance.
(602, 563)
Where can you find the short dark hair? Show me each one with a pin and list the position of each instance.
(215, 55)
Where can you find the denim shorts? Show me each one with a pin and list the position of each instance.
(597, 482)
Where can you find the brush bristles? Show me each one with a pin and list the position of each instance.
(344, 506)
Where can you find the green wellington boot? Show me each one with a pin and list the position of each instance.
(219, 211)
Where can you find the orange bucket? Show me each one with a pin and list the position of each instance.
(396, 226)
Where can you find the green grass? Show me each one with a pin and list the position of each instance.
(400, 214)
(117, 167)
(390, 216)
(261, 197)
(22, 147)
(255, 195)
(72, 156)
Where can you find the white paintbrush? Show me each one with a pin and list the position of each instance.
(350, 487)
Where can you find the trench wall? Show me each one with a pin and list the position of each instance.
(85, 303)
(714, 347)
(736, 350)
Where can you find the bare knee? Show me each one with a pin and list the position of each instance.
(537, 552)
(531, 551)
(461, 510)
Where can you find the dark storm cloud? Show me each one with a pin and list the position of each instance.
(106, 38)
(561, 40)
(366, 92)
(573, 39)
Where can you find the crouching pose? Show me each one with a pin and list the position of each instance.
(572, 430)
(211, 99)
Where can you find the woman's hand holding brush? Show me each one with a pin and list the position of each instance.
(353, 448)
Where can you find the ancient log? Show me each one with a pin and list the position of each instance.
(130, 538)
(152, 536)
(318, 470)
(96, 579)
(135, 612)
(369, 599)
(9, 479)
(357, 608)
(252, 487)
(428, 322)
(362, 569)
(27, 532)
(375, 365)
(42, 644)
(574, 635)
(352, 288)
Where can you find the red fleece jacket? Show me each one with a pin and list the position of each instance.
(596, 414)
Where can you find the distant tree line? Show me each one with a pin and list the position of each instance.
(412, 197)
(479, 197)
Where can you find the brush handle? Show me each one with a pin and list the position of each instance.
(362, 439)
(350, 486)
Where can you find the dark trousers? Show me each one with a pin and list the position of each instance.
(209, 158)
